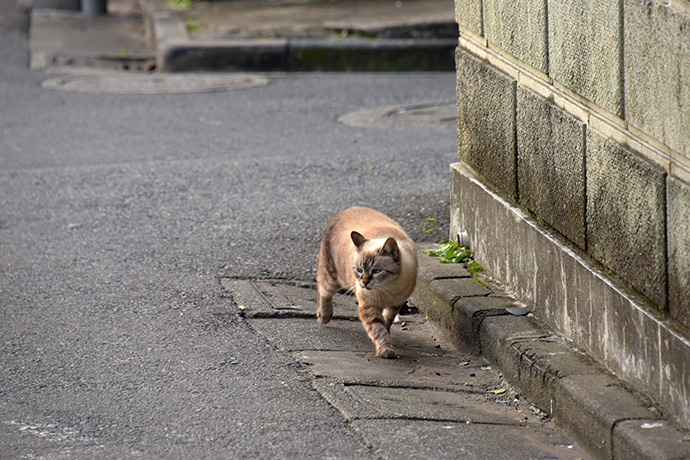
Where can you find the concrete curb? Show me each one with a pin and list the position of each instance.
(175, 52)
(606, 417)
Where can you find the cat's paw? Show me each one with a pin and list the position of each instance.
(323, 317)
(386, 352)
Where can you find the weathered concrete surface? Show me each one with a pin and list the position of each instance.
(576, 300)
(551, 164)
(657, 71)
(456, 310)
(432, 396)
(468, 15)
(420, 439)
(486, 121)
(586, 50)
(298, 36)
(60, 38)
(648, 439)
(263, 19)
(519, 27)
(597, 408)
(626, 216)
(678, 209)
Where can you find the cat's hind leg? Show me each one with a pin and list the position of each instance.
(325, 311)
(326, 289)
(389, 314)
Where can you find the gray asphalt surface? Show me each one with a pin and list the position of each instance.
(118, 216)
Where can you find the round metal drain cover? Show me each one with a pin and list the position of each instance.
(151, 83)
(434, 115)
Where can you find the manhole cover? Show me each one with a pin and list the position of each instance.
(435, 115)
(126, 83)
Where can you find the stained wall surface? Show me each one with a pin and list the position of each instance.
(578, 112)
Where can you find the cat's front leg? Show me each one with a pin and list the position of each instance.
(375, 325)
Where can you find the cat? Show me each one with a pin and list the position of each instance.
(368, 253)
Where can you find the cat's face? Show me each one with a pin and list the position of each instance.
(375, 264)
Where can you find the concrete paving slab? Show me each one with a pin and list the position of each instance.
(272, 299)
(430, 380)
(61, 38)
(291, 334)
(426, 404)
(212, 20)
(304, 36)
(424, 439)
(447, 372)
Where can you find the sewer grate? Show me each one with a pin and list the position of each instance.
(152, 83)
(434, 115)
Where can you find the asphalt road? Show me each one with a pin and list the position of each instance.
(120, 213)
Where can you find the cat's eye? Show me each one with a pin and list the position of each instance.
(376, 271)
(359, 269)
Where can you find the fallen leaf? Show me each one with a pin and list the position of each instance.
(499, 391)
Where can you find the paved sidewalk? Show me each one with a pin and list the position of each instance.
(434, 401)
(257, 19)
(251, 35)
(479, 379)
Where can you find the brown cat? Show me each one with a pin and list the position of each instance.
(369, 254)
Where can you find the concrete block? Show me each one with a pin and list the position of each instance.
(486, 121)
(678, 209)
(586, 50)
(551, 165)
(592, 405)
(453, 289)
(457, 318)
(430, 268)
(70, 5)
(657, 72)
(626, 218)
(648, 440)
(674, 363)
(268, 55)
(518, 27)
(379, 55)
(468, 14)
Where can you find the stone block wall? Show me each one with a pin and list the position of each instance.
(578, 112)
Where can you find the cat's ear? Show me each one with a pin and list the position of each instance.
(358, 239)
(390, 249)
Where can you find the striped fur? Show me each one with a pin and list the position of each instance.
(369, 254)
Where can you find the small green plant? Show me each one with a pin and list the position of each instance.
(192, 25)
(429, 230)
(452, 252)
(181, 5)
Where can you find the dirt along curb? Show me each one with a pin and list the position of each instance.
(604, 414)
(176, 52)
